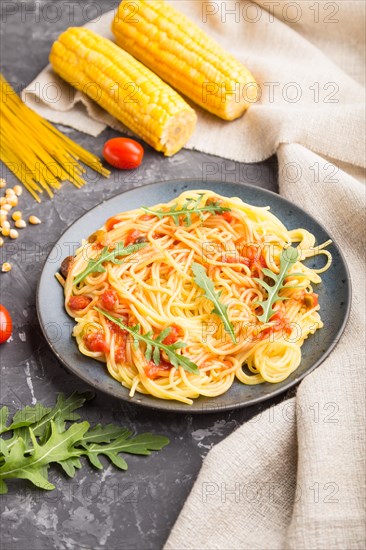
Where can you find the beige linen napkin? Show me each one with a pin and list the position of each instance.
(296, 472)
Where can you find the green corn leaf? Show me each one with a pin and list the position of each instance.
(96, 266)
(288, 258)
(203, 281)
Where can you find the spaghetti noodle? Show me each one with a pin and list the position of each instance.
(147, 293)
(40, 156)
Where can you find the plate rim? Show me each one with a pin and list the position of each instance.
(178, 407)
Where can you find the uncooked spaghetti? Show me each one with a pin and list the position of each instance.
(38, 154)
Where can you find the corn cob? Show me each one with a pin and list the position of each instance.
(124, 87)
(182, 54)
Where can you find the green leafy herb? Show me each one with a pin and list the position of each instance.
(155, 345)
(43, 441)
(220, 309)
(191, 206)
(139, 445)
(96, 266)
(288, 257)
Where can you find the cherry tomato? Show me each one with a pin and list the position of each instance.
(173, 336)
(120, 353)
(6, 325)
(123, 153)
(95, 342)
(134, 236)
(227, 217)
(152, 371)
(111, 222)
(109, 299)
(79, 302)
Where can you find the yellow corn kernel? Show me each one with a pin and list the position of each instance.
(5, 224)
(2, 183)
(5, 231)
(34, 220)
(12, 200)
(6, 267)
(124, 87)
(20, 224)
(9, 192)
(18, 190)
(183, 55)
(6, 207)
(13, 234)
(17, 215)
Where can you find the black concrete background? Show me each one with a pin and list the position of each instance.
(113, 509)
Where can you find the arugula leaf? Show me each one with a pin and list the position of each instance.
(141, 444)
(191, 206)
(153, 344)
(96, 266)
(288, 257)
(27, 416)
(70, 465)
(203, 281)
(31, 450)
(34, 467)
(61, 412)
(104, 434)
(4, 414)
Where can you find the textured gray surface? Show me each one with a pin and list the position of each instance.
(112, 509)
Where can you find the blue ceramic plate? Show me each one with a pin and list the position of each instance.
(334, 296)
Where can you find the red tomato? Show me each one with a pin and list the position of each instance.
(111, 222)
(153, 371)
(6, 325)
(79, 302)
(120, 354)
(173, 336)
(132, 236)
(117, 329)
(123, 153)
(109, 299)
(280, 324)
(227, 217)
(95, 342)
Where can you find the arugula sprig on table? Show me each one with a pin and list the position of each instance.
(155, 345)
(106, 255)
(40, 437)
(288, 257)
(203, 281)
(190, 206)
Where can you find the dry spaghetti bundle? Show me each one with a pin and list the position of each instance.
(182, 298)
(40, 156)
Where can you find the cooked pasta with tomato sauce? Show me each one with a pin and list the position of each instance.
(181, 299)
